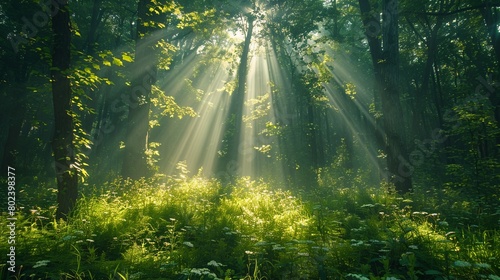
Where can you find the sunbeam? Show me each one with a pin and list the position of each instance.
(250, 139)
(198, 139)
(353, 108)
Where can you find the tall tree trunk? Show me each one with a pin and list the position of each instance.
(312, 133)
(423, 94)
(94, 23)
(492, 20)
(385, 58)
(62, 141)
(335, 14)
(234, 126)
(143, 78)
(16, 112)
(16, 120)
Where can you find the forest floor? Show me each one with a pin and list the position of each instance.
(193, 228)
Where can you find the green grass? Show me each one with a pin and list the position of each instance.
(195, 228)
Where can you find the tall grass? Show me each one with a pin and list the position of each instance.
(194, 228)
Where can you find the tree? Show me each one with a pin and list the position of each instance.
(143, 78)
(424, 30)
(19, 60)
(491, 17)
(234, 123)
(159, 25)
(62, 140)
(383, 41)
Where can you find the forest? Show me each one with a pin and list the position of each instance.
(250, 139)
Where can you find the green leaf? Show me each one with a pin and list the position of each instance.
(127, 57)
(117, 62)
(106, 63)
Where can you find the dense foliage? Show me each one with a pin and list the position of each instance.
(331, 139)
(184, 227)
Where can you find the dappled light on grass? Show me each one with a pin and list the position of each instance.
(250, 140)
(182, 226)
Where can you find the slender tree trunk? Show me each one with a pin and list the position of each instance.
(62, 141)
(350, 109)
(15, 124)
(143, 78)
(423, 93)
(94, 23)
(335, 14)
(492, 19)
(312, 133)
(386, 67)
(397, 155)
(15, 114)
(432, 51)
(235, 118)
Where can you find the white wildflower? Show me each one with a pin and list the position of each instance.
(41, 263)
(214, 263)
(357, 276)
(358, 243)
(196, 271)
(367, 205)
(278, 247)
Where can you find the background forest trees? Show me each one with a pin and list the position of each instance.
(250, 139)
(403, 91)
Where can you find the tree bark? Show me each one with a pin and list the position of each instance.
(16, 112)
(423, 94)
(94, 23)
(385, 58)
(143, 78)
(62, 141)
(312, 131)
(492, 19)
(16, 121)
(235, 118)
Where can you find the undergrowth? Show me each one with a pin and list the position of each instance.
(193, 228)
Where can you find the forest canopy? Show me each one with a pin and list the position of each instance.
(350, 118)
